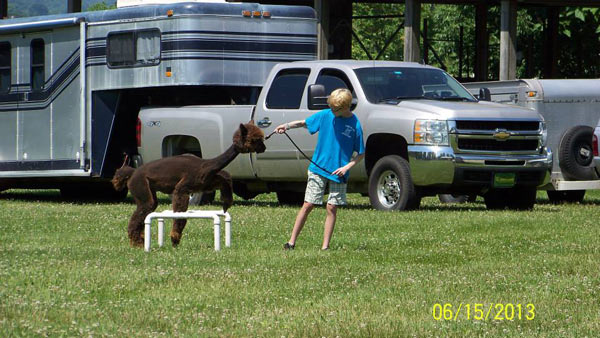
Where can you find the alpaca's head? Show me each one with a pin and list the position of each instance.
(249, 139)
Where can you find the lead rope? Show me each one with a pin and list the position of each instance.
(343, 178)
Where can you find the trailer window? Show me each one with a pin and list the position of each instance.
(136, 48)
(37, 64)
(121, 49)
(148, 47)
(5, 64)
(287, 89)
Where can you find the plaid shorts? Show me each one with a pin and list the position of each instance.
(315, 189)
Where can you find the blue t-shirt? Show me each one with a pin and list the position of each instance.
(338, 138)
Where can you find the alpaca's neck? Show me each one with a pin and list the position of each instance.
(221, 161)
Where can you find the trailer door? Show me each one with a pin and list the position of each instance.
(34, 113)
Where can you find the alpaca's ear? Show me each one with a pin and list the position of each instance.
(251, 122)
(243, 130)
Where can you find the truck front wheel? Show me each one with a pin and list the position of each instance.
(390, 185)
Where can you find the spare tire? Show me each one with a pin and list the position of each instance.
(575, 156)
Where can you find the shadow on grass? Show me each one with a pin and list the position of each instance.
(54, 196)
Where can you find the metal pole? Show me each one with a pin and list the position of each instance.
(412, 27)
(460, 50)
(508, 40)
(73, 6)
(425, 42)
(3, 9)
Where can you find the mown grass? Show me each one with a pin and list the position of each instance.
(66, 269)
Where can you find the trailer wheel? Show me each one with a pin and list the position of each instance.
(576, 158)
(566, 196)
(390, 185)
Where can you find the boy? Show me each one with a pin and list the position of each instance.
(340, 135)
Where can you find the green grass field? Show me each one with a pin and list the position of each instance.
(66, 269)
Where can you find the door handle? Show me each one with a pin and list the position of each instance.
(265, 122)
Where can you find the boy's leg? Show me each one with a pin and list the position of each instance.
(329, 224)
(315, 188)
(300, 220)
(337, 196)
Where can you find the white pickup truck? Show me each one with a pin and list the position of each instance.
(425, 134)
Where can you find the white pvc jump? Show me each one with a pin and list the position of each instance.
(214, 214)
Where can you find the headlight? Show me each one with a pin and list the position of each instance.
(434, 132)
(544, 132)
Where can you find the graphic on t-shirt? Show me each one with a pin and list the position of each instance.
(349, 132)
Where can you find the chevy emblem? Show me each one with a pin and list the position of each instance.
(501, 135)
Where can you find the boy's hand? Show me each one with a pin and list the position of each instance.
(281, 128)
(341, 171)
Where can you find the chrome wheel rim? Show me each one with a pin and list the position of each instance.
(388, 188)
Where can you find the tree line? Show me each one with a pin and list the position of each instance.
(578, 38)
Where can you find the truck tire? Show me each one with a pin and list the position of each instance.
(575, 156)
(202, 198)
(566, 196)
(514, 199)
(390, 185)
(294, 198)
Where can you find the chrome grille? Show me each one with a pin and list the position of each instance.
(493, 145)
(493, 137)
(493, 125)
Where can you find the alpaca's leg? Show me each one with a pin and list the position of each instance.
(146, 202)
(180, 204)
(223, 179)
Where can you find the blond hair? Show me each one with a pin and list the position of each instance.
(340, 99)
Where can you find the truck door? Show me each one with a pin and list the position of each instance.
(282, 104)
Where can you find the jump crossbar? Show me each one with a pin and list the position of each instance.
(214, 214)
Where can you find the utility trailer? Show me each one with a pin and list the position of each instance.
(571, 109)
(71, 85)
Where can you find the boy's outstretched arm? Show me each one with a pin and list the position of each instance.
(294, 124)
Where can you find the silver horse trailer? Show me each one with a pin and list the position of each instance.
(71, 85)
(571, 109)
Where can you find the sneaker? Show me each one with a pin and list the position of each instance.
(288, 246)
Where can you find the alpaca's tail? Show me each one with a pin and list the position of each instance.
(122, 175)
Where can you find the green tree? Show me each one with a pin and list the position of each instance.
(578, 47)
(100, 6)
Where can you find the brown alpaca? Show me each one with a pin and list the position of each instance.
(180, 176)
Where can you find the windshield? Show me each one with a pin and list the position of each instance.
(393, 84)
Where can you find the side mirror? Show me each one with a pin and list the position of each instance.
(317, 99)
(484, 94)
(354, 103)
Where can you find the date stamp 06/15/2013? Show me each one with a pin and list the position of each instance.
(483, 312)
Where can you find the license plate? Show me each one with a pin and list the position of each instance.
(504, 180)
